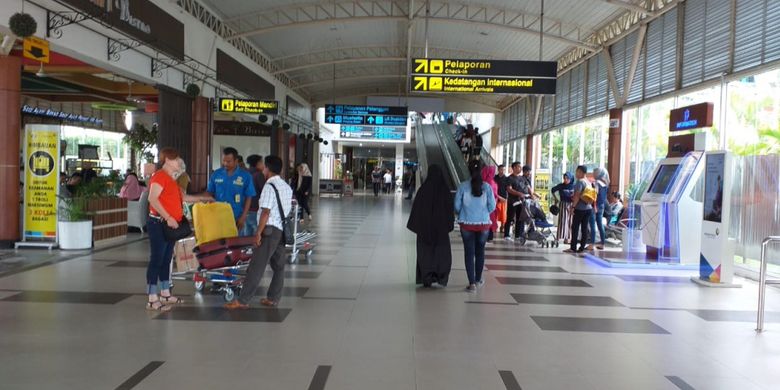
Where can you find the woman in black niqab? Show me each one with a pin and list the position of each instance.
(432, 219)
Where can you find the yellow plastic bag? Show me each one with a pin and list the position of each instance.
(213, 221)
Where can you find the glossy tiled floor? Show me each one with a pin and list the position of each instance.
(354, 320)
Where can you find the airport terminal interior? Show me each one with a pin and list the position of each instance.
(390, 194)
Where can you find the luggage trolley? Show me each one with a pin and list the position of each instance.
(302, 239)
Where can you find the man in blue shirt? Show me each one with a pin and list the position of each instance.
(234, 186)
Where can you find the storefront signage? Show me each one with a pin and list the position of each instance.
(244, 106)
(61, 115)
(41, 181)
(249, 129)
(36, 49)
(691, 117)
(140, 19)
(483, 76)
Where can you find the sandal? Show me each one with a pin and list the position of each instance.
(268, 302)
(170, 300)
(157, 306)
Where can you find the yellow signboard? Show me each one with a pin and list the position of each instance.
(41, 181)
(483, 76)
(243, 106)
(36, 49)
(542, 188)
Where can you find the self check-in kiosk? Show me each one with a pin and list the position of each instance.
(671, 210)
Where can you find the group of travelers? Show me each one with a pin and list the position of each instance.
(259, 199)
(382, 180)
(469, 141)
(491, 198)
(432, 218)
(582, 207)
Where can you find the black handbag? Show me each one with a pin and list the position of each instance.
(183, 231)
(288, 237)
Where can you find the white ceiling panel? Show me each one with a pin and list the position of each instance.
(340, 30)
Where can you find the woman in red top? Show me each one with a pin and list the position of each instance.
(165, 208)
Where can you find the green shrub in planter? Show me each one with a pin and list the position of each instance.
(22, 25)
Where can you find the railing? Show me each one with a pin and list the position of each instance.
(763, 282)
(422, 157)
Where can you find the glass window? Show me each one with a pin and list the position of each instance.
(647, 130)
(753, 115)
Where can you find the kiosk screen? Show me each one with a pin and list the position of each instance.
(663, 179)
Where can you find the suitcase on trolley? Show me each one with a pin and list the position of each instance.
(213, 221)
(223, 258)
(224, 244)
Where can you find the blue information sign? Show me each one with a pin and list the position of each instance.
(382, 133)
(341, 114)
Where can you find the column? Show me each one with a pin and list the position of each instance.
(10, 133)
(614, 151)
(530, 151)
(201, 144)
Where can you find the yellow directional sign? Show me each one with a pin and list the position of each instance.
(244, 106)
(443, 75)
(36, 49)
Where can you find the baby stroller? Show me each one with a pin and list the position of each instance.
(539, 229)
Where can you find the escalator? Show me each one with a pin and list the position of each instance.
(435, 145)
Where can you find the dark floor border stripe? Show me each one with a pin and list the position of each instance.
(330, 298)
(68, 258)
(495, 303)
(510, 382)
(139, 376)
(320, 378)
(680, 383)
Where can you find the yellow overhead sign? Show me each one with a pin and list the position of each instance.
(36, 49)
(483, 76)
(243, 106)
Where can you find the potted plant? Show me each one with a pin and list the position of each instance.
(74, 225)
(141, 140)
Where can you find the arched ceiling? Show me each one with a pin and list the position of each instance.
(366, 44)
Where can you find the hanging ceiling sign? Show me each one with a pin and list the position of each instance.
(367, 123)
(36, 49)
(248, 129)
(483, 76)
(140, 19)
(691, 117)
(244, 106)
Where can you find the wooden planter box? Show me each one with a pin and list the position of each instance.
(109, 218)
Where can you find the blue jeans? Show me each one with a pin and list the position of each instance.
(474, 248)
(159, 268)
(250, 225)
(597, 220)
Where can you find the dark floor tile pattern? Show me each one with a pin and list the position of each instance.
(510, 382)
(515, 258)
(493, 303)
(129, 264)
(734, 315)
(654, 279)
(598, 325)
(680, 383)
(219, 314)
(320, 378)
(543, 282)
(524, 268)
(95, 298)
(568, 300)
(139, 376)
(505, 248)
